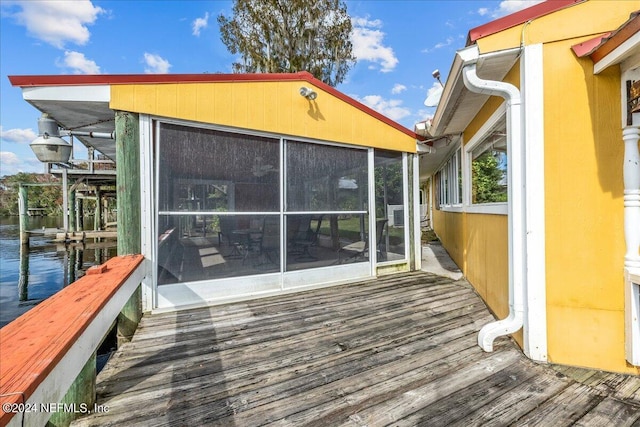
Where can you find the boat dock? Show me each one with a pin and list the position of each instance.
(398, 350)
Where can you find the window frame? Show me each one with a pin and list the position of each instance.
(495, 208)
(448, 192)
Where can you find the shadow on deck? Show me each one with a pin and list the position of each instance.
(399, 350)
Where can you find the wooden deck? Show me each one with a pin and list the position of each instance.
(400, 350)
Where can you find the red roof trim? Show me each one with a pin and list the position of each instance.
(518, 18)
(585, 48)
(619, 36)
(115, 79)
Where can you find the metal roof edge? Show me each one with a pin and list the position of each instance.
(517, 18)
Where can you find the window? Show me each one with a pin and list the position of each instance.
(449, 181)
(489, 166)
(389, 190)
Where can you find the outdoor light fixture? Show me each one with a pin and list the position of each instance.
(48, 146)
(436, 75)
(308, 93)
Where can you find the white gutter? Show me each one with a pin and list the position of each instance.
(516, 209)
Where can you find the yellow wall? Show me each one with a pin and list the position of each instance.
(583, 194)
(595, 17)
(269, 106)
(584, 212)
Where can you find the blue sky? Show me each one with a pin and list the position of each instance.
(397, 45)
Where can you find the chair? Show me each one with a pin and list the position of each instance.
(307, 237)
(227, 225)
(270, 239)
(361, 248)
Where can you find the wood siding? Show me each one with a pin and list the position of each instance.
(275, 107)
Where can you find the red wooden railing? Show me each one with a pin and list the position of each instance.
(43, 351)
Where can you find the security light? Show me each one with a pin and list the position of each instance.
(308, 93)
(48, 146)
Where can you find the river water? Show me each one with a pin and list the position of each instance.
(28, 276)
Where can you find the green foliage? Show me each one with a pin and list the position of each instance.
(487, 180)
(46, 196)
(388, 178)
(285, 36)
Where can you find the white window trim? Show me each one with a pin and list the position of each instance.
(453, 207)
(481, 208)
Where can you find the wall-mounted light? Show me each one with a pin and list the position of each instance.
(48, 146)
(308, 93)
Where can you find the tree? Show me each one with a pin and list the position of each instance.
(48, 197)
(488, 179)
(276, 36)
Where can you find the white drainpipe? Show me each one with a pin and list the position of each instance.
(516, 209)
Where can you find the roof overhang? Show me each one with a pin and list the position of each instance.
(458, 105)
(613, 47)
(78, 108)
(623, 44)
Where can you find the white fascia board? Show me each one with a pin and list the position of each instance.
(84, 93)
(619, 54)
(454, 78)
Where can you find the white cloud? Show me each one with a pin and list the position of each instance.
(391, 108)
(367, 40)
(20, 136)
(58, 22)
(156, 64)
(448, 42)
(200, 23)
(507, 7)
(398, 88)
(79, 64)
(9, 158)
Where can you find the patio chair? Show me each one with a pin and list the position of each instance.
(361, 247)
(307, 237)
(270, 239)
(227, 225)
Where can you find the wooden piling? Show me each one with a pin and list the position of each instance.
(129, 208)
(24, 216)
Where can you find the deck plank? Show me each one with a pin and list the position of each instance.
(398, 350)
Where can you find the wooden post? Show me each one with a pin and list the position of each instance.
(129, 208)
(72, 210)
(81, 396)
(97, 215)
(65, 200)
(23, 280)
(24, 217)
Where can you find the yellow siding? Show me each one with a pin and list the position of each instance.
(487, 263)
(595, 17)
(449, 228)
(264, 106)
(478, 243)
(584, 212)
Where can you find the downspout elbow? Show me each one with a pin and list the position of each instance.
(489, 87)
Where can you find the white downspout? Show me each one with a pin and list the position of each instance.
(516, 206)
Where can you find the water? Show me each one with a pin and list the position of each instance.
(29, 277)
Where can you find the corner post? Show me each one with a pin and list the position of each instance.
(129, 207)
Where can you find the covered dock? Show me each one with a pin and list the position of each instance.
(396, 350)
